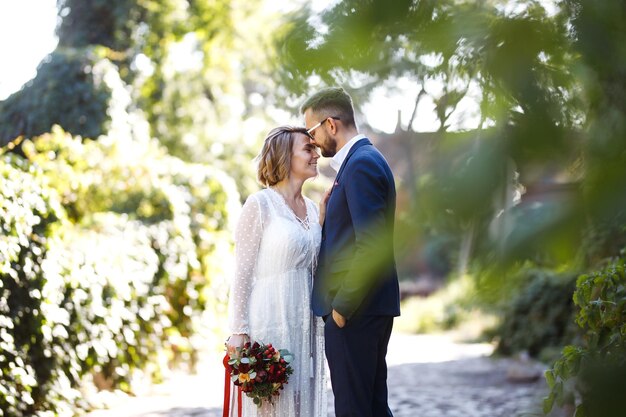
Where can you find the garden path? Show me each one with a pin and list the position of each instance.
(429, 376)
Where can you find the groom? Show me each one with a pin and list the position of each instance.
(356, 284)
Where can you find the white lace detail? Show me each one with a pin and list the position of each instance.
(276, 254)
(303, 222)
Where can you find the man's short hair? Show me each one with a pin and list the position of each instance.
(331, 102)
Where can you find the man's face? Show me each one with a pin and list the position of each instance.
(320, 136)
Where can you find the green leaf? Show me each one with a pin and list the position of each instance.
(559, 392)
(580, 412)
(548, 403)
(549, 375)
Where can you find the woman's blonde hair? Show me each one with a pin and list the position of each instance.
(274, 160)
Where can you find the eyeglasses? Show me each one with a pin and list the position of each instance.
(308, 132)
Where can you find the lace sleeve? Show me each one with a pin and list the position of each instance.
(248, 236)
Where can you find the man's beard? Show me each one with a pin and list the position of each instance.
(329, 149)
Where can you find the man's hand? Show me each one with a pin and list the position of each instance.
(340, 320)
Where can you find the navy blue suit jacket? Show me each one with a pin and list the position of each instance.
(356, 272)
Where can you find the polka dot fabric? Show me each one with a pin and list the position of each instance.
(270, 297)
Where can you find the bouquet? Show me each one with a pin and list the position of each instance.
(260, 371)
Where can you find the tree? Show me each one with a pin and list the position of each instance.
(188, 67)
(552, 108)
(520, 63)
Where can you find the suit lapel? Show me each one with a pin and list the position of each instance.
(354, 148)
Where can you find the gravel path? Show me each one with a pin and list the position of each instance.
(429, 376)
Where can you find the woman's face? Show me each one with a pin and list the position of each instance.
(304, 158)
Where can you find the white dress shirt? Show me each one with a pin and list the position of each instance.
(337, 160)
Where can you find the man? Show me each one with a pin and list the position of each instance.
(356, 284)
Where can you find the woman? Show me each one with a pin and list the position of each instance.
(276, 245)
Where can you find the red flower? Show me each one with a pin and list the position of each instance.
(261, 371)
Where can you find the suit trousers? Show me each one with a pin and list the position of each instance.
(358, 368)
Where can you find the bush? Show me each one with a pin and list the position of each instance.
(539, 319)
(451, 307)
(29, 213)
(596, 369)
(109, 257)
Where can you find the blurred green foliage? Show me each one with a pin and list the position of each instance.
(98, 22)
(538, 318)
(186, 68)
(130, 260)
(536, 191)
(450, 307)
(29, 213)
(596, 367)
(69, 90)
(518, 59)
(109, 258)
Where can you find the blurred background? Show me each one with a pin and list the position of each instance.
(128, 130)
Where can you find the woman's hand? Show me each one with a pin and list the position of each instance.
(323, 203)
(234, 342)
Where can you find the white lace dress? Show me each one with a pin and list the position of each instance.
(276, 255)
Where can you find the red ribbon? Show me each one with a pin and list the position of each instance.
(227, 389)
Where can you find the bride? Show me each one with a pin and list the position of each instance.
(276, 246)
